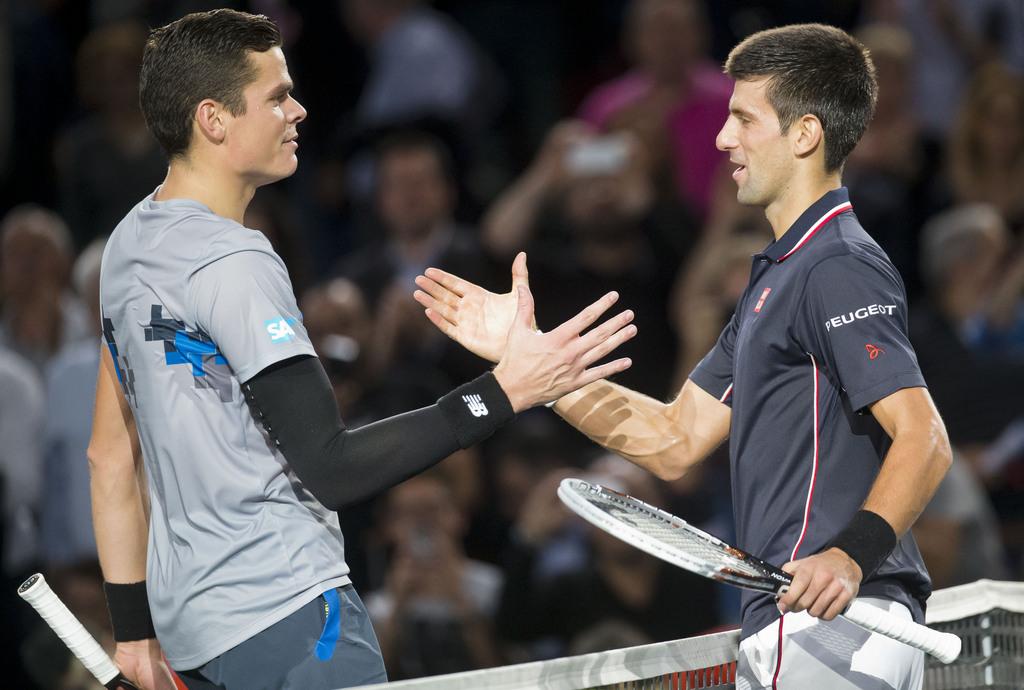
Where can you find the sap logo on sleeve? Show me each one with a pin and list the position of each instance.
(280, 329)
(862, 313)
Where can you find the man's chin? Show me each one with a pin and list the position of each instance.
(749, 197)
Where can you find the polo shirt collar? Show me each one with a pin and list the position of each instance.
(817, 216)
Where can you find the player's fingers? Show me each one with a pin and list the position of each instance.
(524, 308)
(817, 584)
(606, 329)
(452, 282)
(603, 371)
(605, 346)
(826, 598)
(436, 290)
(587, 316)
(442, 324)
(837, 606)
(450, 313)
(520, 274)
(792, 595)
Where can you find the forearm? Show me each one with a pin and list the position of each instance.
(341, 466)
(639, 428)
(119, 520)
(915, 464)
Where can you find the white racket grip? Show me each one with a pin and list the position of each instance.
(943, 646)
(36, 592)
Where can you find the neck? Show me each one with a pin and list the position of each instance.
(226, 195)
(796, 198)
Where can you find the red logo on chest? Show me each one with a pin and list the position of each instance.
(873, 351)
(760, 302)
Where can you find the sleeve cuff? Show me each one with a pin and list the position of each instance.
(477, 409)
(862, 399)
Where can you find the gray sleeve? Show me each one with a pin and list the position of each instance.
(245, 304)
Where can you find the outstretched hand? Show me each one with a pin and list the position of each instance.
(473, 317)
(539, 367)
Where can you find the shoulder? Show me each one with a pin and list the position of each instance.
(214, 238)
(848, 251)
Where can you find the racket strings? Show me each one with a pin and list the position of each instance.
(707, 554)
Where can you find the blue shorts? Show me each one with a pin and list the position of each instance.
(327, 644)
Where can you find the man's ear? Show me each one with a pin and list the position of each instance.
(807, 136)
(211, 120)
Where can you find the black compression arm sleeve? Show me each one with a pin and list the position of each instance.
(295, 403)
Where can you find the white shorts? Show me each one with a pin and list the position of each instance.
(828, 655)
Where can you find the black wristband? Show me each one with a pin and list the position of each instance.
(129, 611)
(868, 539)
(477, 409)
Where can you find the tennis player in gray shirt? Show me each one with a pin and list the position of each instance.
(225, 554)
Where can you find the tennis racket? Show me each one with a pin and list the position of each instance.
(36, 592)
(673, 540)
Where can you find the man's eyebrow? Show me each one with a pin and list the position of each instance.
(739, 110)
(282, 89)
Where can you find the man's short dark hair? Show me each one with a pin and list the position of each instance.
(202, 55)
(813, 69)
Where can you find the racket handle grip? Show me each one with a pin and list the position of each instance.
(37, 592)
(943, 646)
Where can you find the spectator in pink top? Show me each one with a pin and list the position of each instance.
(674, 98)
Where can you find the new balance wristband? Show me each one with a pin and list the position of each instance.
(868, 539)
(129, 611)
(477, 409)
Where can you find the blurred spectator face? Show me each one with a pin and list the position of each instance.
(892, 51)
(421, 511)
(754, 141)
(992, 120)
(337, 308)
(414, 195)
(108, 67)
(367, 19)
(1003, 138)
(34, 253)
(338, 323)
(964, 250)
(606, 201)
(85, 276)
(665, 37)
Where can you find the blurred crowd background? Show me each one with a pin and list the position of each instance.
(454, 134)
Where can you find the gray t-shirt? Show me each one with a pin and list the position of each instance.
(193, 306)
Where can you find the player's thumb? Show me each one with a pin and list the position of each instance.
(524, 306)
(520, 274)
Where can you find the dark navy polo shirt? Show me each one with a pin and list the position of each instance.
(818, 336)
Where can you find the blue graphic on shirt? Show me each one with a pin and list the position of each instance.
(125, 375)
(191, 347)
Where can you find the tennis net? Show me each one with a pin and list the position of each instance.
(988, 616)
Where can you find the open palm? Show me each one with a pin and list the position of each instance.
(476, 318)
